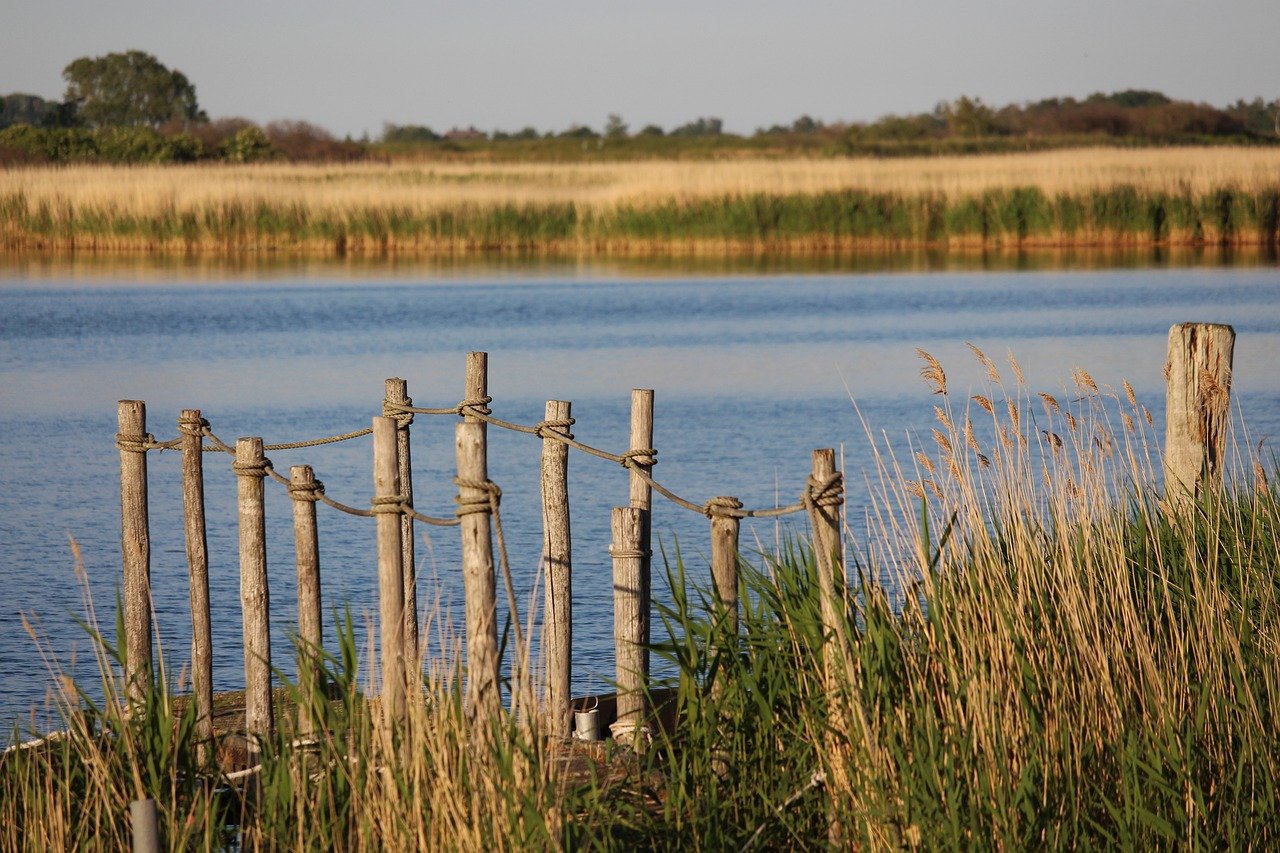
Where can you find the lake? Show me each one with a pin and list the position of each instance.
(752, 370)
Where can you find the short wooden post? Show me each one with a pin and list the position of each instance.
(629, 618)
(306, 544)
(144, 826)
(255, 601)
(724, 556)
(191, 427)
(483, 699)
(1197, 407)
(387, 506)
(135, 544)
(557, 566)
(397, 394)
(825, 498)
(641, 499)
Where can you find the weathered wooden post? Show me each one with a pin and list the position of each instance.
(643, 458)
(397, 394)
(724, 555)
(631, 670)
(255, 601)
(1197, 407)
(191, 428)
(135, 544)
(557, 567)
(825, 498)
(387, 506)
(304, 490)
(483, 700)
(144, 826)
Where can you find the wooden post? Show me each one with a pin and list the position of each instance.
(557, 566)
(724, 556)
(629, 600)
(483, 700)
(306, 543)
(397, 392)
(1197, 407)
(824, 515)
(145, 826)
(135, 544)
(191, 427)
(255, 601)
(641, 499)
(386, 505)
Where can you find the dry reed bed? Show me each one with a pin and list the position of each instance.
(1062, 198)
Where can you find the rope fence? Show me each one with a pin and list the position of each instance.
(477, 513)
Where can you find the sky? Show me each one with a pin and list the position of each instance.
(350, 67)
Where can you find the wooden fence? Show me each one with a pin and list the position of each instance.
(1198, 373)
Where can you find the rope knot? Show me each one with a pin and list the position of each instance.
(475, 406)
(640, 456)
(724, 506)
(825, 493)
(192, 426)
(629, 553)
(556, 428)
(135, 443)
(306, 491)
(486, 502)
(252, 468)
(399, 411)
(389, 504)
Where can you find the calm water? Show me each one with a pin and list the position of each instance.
(751, 372)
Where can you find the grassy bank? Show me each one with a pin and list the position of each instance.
(1038, 650)
(1097, 197)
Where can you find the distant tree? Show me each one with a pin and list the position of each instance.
(35, 111)
(131, 88)
(969, 117)
(652, 130)
(1133, 98)
(615, 127)
(409, 133)
(805, 124)
(525, 133)
(578, 131)
(700, 127)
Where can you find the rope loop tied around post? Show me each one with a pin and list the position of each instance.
(401, 412)
(645, 456)
(313, 491)
(136, 443)
(487, 502)
(252, 468)
(630, 553)
(825, 493)
(724, 507)
(193, 426)
(554, 428)
(388, 504)
(476, 406)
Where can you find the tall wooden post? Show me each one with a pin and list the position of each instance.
(629, 622)
(483, 699)
(641, 499)
(306, 544)
(724, 556)
(386, 504)
(1197, 407)
(191, 428)
(135, 544)
(255, 601)
(557, 566)
(397, 393)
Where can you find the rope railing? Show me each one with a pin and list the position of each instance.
(478, 407)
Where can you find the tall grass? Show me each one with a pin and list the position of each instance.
(1038, 650)
(1094, 197)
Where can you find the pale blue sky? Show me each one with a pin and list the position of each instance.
(351, 66)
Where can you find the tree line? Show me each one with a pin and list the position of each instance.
(129, 107)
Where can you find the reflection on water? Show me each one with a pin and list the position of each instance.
(201, 267)
(751, 370)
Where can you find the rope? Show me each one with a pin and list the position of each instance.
(192, 426)
(631, 553)
(825, 493)
(316, 442)
(399, 411)
(388, 505)
(639, 456)
(306, 491)
(554, 429)
(724, 507)
(486, 502)
(252, 467)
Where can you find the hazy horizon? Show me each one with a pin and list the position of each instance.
(569, 62)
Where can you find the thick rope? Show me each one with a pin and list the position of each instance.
(825, 493)
(724, 507)
(306, 491)
(399, 411)
(554, 429)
